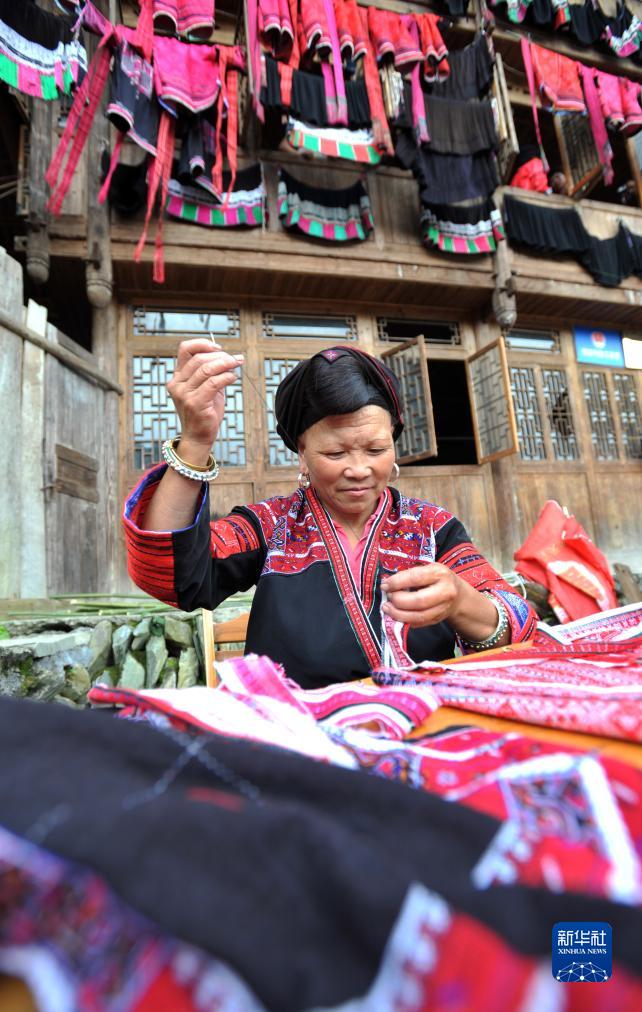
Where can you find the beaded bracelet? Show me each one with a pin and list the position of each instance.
(196, 473)
(494, 638)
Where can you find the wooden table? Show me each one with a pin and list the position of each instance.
(446, 716)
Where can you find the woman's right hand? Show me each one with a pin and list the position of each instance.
(197, 388)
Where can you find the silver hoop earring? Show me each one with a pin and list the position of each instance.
(395, 471)
(303, 480)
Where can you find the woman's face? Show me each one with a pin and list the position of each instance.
(349, 459)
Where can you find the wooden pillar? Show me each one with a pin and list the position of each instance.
(510, 535)
(504, 301)
(40, 147)
(99, 274)
(110, 555)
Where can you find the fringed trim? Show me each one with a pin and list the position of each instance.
(245, 207)
(481, 236)
(334, 143)
(341, 224)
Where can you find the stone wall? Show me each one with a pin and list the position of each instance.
(132, 651)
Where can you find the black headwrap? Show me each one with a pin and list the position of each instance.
(297, 408)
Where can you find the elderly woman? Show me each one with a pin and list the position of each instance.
(345, 565)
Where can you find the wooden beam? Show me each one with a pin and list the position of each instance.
(84, 369)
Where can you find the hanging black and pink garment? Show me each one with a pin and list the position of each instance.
(243, 204)
(467, 228)
(334, 215)
(40, 56)
(456, 166)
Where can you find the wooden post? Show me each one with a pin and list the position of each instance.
(99, 276)
(504, 301)
(40, 147)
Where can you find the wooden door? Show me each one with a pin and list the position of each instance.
(72, 451)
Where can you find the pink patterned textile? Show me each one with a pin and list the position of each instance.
(589, 687)
(185, 16)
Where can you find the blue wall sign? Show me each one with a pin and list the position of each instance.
(599, 347)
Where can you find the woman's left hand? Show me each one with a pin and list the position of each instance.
(424, 595)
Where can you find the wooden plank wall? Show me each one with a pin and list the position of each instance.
(57, 513)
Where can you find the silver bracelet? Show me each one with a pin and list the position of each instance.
(494, 638)
(171, 457)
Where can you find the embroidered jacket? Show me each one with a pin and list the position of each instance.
(308, 612)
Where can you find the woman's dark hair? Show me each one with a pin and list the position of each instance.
(340, 391)
(337, 381)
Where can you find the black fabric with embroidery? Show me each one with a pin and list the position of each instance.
(448, 178)
(549, 230)
(471, 72)
(292, 872)
(28, 20)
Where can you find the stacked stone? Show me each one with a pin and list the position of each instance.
(157, 651)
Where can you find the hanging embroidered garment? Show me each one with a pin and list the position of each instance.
(557, 79)
(333, 215)
(198, 154)
(318, 29)
(620, 102)
(560, 231)
(445, 178)
(334, 142)
(353, 42)
(244, 203)
(559, 555)
(548, 230)
(185, 76)
(274, 23)
(133, 107)
(611, 260)
(471, 72)
(194, 18)
(39, 56)
(460, 128)
(473, 228)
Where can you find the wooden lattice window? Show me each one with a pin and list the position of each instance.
(527, 414)
(186, 323)
(289, 326)
(559, 414)
(537, 341)
(274, 370)
(628, 408)
(408, 363)
(445, 334)
(578, 152)
(491, 403)
(155, 419)
(598, 405)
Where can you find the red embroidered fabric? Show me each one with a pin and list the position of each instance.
(558, 80)
(559, 554)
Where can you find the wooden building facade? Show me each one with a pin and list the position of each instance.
(502, 432)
